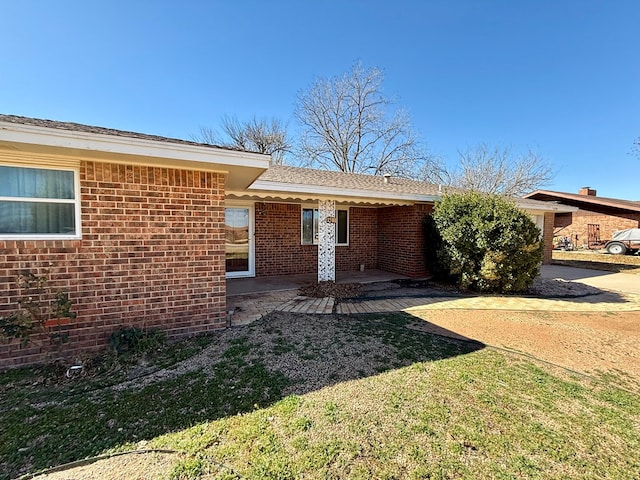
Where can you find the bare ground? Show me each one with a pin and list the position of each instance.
(137, 466)
(589, 343)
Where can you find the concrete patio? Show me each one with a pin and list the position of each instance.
(251, 298)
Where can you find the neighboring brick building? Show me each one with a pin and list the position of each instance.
(142, 230)
(596, 218)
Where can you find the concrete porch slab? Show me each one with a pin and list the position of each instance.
(243, 286)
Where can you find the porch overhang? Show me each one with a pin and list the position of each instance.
(269, 191)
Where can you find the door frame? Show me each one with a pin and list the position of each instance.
(250, 206)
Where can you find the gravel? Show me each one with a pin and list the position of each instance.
(331, 342)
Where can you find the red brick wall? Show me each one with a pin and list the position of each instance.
(401, 241)
(374, 241)
(151, 256)
(363, 241)
(576, 225)
(278, 241)
(547, 237)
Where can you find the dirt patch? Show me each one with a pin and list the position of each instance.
(589, 343)
(557, 288)
(541, 287)
(331, 289)
(140, 466)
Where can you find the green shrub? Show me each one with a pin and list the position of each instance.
(133, 340)
(488, 243)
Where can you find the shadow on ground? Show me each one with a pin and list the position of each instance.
(242, 369)
(542, 288)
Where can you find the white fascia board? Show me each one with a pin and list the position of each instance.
(324, 191)
(548, 207)
(78, 140)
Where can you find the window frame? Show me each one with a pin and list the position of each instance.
(76, 201)
(314, 234)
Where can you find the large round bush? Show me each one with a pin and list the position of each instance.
(488, 243)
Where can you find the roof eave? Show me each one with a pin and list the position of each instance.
(586, 199)
(74, 139)
(242, 168)
(547, 207)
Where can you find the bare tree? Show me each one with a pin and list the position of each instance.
(347, 124)
(498, 170)
(268, 136)
(433, 170)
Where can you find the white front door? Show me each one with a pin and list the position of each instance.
(238, 234)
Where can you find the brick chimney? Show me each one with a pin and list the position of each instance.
(587, 191)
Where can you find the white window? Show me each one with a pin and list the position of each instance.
(310, 226)
(39, 203)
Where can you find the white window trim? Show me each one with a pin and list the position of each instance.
(315, 241)
(76, 200)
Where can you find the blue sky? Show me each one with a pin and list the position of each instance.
(559, 77)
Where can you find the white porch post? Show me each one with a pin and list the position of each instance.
(326, 241)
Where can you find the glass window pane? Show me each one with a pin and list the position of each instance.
(342, 226)
(237, 239)
(36, 183)
(307, 225)
(37, 218)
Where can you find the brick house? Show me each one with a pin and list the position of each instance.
(594, 218)
(143, 230)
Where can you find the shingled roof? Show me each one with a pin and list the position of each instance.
(282, 174)
(297, 182)
(588, 202)
(79, 127)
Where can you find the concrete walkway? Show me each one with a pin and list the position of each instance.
(617, 282)
(604, 302)
(252, 306)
